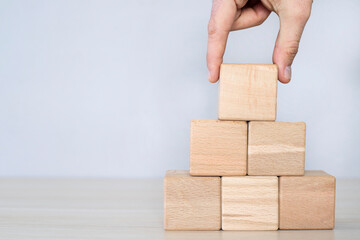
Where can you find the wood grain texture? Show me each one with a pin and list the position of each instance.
(191, 203)
(248, 92)
(276, 148)
(307, 202)
(218, 148)
(250, 203)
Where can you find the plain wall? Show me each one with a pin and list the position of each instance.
(108, 88)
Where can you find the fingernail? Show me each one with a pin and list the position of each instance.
(209, 75)
(287, 72)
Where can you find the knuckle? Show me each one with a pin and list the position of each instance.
(303, 12)
(301, 16)
(292, 49)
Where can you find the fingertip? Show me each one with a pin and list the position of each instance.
(285, 74)
(284, 80)
(284, 66)
(213, 69)
(213, 77)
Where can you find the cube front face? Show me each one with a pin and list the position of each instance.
(250, 203)
(276, 148)
(218, 148)
(191, 203)
(248, 92)
(307, 202)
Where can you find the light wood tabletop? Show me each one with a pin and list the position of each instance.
(130, 209)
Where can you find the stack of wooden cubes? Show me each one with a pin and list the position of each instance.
(246, 169)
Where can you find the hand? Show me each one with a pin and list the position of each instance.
(231, 15)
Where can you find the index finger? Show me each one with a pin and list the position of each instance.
(223, 14)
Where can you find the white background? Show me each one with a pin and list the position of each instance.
(108, 88)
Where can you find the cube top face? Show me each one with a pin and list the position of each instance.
(177, 173)
(218, 148)
(276, 148)
(248, 92)
(307, 202)
(191, 203)
(317, 173)
(250, 203)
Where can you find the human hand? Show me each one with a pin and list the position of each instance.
(231, 15)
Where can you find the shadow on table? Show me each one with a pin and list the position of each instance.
(251, 235)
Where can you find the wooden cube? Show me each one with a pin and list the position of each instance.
(276, 148)
(307, 202)
(218, 148)
(248, 92)
(191, 203)
(250, 203)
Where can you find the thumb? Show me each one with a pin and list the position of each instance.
(287, 42)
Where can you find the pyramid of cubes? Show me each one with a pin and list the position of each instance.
(247, 170)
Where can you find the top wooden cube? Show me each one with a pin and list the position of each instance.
(248, 92)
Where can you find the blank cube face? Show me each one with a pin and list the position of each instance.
(248, 92)
(250, 203)
(307, 202)
(191, 203)
(276, 148)
(218, 148)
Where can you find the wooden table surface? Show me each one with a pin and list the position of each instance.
(130, 209)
